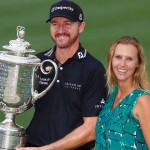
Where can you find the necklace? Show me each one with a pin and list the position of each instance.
(116, 102)
(119, 99)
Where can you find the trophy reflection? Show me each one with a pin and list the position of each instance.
(18, 84)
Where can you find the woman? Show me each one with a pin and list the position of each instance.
(124, 122)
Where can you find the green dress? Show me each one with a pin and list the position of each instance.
(118, 129)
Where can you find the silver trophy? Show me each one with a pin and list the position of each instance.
(18, 84)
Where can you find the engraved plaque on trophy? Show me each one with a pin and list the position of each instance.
(18, 82)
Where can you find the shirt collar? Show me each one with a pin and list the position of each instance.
(80, 54)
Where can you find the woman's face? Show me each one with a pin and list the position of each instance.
(124, 62)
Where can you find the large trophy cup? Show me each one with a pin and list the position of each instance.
(18, 82)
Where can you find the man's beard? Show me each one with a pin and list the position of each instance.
(67, 44)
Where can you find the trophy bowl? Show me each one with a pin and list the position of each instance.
(18, 83)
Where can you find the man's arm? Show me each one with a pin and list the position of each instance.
(78, 137)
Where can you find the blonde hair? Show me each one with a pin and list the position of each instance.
(140, 76)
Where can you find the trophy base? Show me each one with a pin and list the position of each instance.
(11, 137)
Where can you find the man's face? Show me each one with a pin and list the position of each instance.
(65, 32)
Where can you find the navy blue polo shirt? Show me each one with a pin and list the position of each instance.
(78, 92)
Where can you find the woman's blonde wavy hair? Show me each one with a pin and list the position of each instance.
(140, 76)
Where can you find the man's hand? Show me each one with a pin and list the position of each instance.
(28, 148)
(32, 148)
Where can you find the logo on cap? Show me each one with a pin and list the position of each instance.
(62, 8)
(80, 17)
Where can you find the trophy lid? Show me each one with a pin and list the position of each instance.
(19, 45)
(19, 50)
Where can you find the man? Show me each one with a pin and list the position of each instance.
(65, 117)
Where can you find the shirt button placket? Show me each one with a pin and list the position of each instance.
(58, 81)
(61, 68)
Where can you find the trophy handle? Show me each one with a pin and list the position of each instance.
(47, 70)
